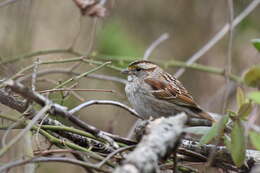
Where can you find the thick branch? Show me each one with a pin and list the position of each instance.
(161, 139)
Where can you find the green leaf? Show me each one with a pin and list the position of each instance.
(255, 96)
(252, 77)
(231, 113)
(255, 139)
(244, 110)
(215, 130)
(256, 43)
(238, 144)
(240, 97)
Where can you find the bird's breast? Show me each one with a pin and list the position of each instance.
(144, 103)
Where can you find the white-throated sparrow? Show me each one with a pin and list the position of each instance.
(153, 92)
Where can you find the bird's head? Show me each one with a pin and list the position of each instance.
(140, 68)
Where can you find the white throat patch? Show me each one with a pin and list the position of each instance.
(130, 78)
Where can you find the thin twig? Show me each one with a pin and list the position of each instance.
(82, 75)
(75, 38)
(27, 128)
(92, 35)
(219, 35)
(50, 159)
(95, 76)
(11, 127)
(154, 44)
(34, 74)
(99, 165)
(175, 63)
(39, 53)
(228, 68)
(76, 89)
(7, 2)
(104, 102)
(199, 67)
(62, 111)
(228, 63)
(48, 152)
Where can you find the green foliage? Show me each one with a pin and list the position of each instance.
(238, 144)
(216, 130)
(234, 138)
(240, 96)
(252, 77)
(255, 139)
(244, 110)
(255, 96)
(244, 106)
(113, 39)
(256, 43)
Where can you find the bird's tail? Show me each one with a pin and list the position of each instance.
(202, 114)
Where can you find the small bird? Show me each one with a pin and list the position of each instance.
(152, 92)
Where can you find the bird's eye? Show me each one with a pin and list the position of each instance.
(138, 69)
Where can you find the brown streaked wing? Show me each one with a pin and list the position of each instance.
(167, 91)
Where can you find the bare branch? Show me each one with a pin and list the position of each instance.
(95, 76)
(158, 41)
(75, 135)
(104, 102)
(34, 74)
(82, 75)
(76, 89)
(27, 128)
(92, 8)
(49, 159)
(222, 156)
(7, 2)
(57, 109)
(219, 35)
(114, 153)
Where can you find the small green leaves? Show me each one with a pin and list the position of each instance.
(245, 107)
(216, 130)
(244, 110)
(213, 132)
(256, 43)
(255, 96)
(252, 77)
(255, 139)
(238, 144)
(240, 97)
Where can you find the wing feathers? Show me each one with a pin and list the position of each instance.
(171, 90)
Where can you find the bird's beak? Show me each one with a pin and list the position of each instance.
(125, 71)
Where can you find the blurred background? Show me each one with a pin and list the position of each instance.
(125, 33)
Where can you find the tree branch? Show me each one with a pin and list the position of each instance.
(57, 109)
(161, 138)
